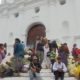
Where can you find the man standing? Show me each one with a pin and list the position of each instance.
(40, 49)
(18, 54)
(59, 69)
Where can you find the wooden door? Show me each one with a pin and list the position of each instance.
(37, 30)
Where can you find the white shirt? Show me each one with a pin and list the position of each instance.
(61, 65)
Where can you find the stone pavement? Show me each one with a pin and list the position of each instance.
(45, 74)
(26, 78)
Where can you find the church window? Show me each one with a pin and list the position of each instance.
(16, 14)
(65, 27)
(62, 2)
(37, 9)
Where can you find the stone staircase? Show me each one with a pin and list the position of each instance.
(46, 74)
(43, 73)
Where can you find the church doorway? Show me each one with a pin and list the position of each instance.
(35, 30)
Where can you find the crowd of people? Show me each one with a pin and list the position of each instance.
(44, 54)
(3, 51)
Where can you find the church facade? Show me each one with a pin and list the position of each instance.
(56, 19)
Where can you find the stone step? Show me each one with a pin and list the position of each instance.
(27, 78)
(43, 73)
(46, 70)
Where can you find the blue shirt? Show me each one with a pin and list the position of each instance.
(18, 50)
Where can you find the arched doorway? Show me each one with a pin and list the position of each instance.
(36, 29)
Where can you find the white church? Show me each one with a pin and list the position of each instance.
(26, 19)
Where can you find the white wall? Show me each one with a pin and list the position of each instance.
(52, 16)
(59, 14)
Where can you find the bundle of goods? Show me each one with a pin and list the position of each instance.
(74, 68)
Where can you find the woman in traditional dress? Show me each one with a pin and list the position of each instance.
(2, 52)
(64, 53)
